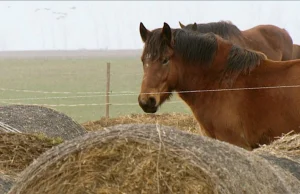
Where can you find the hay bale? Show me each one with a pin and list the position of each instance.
(38, 119)
(151, 159)
(18, 150)
(6, 182)
(287, 146)
(185, 122)
(283, 153)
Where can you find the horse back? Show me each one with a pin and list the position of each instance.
(281, 72)
(275, 42)
(296, 51)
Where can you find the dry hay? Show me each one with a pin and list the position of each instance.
(283, 153)
(38, 119)
(18, 150)
(181, 121)
(151, 159)
(287, 145)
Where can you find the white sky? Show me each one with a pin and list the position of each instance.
(115, 24)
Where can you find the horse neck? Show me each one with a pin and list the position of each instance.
(192, 83)
(221, 56)
(194, 77)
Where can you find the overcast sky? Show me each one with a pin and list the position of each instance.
(27, 25)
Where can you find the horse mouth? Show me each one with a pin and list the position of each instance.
(148, 109)
(152, 110)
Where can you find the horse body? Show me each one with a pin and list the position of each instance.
(273, 41)
(296, 51)
(204, 70)
(248, 118)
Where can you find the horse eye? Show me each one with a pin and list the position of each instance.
(165, 61)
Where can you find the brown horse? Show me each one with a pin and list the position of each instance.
(296, 51)
(273, 41)
(236, 95)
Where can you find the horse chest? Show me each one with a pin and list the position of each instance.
(229, 130)
(223, 122)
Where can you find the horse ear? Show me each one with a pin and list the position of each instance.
(144, 32)
(194, 27)
(181, 25)
(167, 33)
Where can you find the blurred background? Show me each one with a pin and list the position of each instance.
(55, 53)
(52, 25)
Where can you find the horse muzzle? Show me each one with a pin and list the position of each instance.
(148, 104)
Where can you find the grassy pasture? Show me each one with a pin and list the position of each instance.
(76, 74)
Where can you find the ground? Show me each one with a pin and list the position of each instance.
(81, 73)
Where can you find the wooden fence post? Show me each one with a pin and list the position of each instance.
(107, 89)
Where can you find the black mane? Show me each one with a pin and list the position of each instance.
(195, 47)
(224, 29)
(241, 60)
(201, 48)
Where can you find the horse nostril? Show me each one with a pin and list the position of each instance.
(151, 101)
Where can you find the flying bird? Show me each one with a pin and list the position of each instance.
(60, 17)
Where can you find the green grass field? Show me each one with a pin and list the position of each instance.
(76, 75)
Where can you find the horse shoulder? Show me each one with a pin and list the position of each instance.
(296, 51)
(285, 72)
(293, 69)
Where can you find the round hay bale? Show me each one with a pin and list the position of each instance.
(6, 182)
(283, 153)
(150, 159)
(38, 119)
(18, 150)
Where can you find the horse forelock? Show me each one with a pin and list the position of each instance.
(155, 46)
